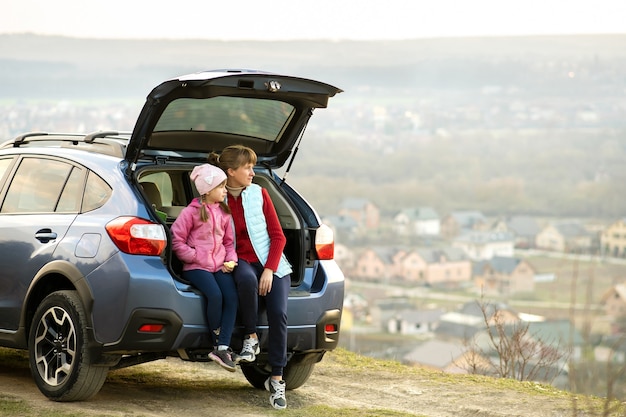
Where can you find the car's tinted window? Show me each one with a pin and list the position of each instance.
(36, 186)
(244, 116)
(70, 198)
(4, 165)
(97, 192)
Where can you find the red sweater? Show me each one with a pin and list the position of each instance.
(244, 247)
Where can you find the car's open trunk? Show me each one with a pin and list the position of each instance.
(169, 190)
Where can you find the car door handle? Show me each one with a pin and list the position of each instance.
(45, 235)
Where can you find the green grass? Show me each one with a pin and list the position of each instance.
(591, 405)
(239, 397)
(11, 406)
(15, 407)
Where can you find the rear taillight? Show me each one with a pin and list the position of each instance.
(324, 243)
(137, 236)
(151, 328)
(331, 328)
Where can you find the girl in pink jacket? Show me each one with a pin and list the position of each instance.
(202, 238)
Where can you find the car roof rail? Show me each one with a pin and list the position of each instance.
(112, 142)
(23, 138)
(89, 138)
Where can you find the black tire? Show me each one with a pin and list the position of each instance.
(295, 375)
(255, 374)
(57, 350)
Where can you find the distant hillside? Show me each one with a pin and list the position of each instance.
(517, 125)
(33, 66)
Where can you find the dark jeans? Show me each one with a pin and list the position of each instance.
(221, 307)
(275, 302)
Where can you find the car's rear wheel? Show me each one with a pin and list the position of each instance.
(58, 354)
(295, 375)
(255, 374)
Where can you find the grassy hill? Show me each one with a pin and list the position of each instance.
(344, 384)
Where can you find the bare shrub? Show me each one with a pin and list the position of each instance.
(512, 350)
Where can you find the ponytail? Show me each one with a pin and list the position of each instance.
(203, 214)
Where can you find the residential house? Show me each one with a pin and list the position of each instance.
(614, 301)
(480, 245)
(412, 266)
(376, 264)
(458, 222)
(489, 310)
(523, 228)
(344, 227)
(569, 237)
(345, 258)
(559, 334)
(364, 212)
(420, 221)
(613, 239)
(412, 321)
(445, 267)
(503, 275)
(459, 327)
(385, 310)
(463, 325)
(449, 357)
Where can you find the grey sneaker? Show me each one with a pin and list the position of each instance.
(224, 359)
(277, 393)
(250, 350)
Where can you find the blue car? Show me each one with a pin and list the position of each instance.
(88, 280)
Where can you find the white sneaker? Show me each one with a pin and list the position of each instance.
(250, 350)
(277, 393)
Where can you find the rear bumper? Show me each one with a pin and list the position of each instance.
(327, 330)
(154, 298)
(131, 291)
(135, 339)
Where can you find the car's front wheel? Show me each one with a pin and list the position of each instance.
(295, 375)
(57, 350)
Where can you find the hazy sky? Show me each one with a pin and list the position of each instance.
(312, 19)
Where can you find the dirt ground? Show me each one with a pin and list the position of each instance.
(342, 384)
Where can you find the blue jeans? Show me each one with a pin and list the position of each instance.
(246, 277)
(221, 307)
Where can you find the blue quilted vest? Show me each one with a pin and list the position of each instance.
(252, 201)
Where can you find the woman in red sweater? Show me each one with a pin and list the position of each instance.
(263, 272)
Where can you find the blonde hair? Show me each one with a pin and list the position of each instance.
(204, 216)
(233, 157)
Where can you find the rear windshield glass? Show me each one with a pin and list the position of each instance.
(254, 117)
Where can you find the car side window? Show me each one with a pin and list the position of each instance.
(5, 163)
(97, 192)
(36, 186)
(70, 198)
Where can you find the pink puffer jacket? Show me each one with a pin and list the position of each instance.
(203, 245)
